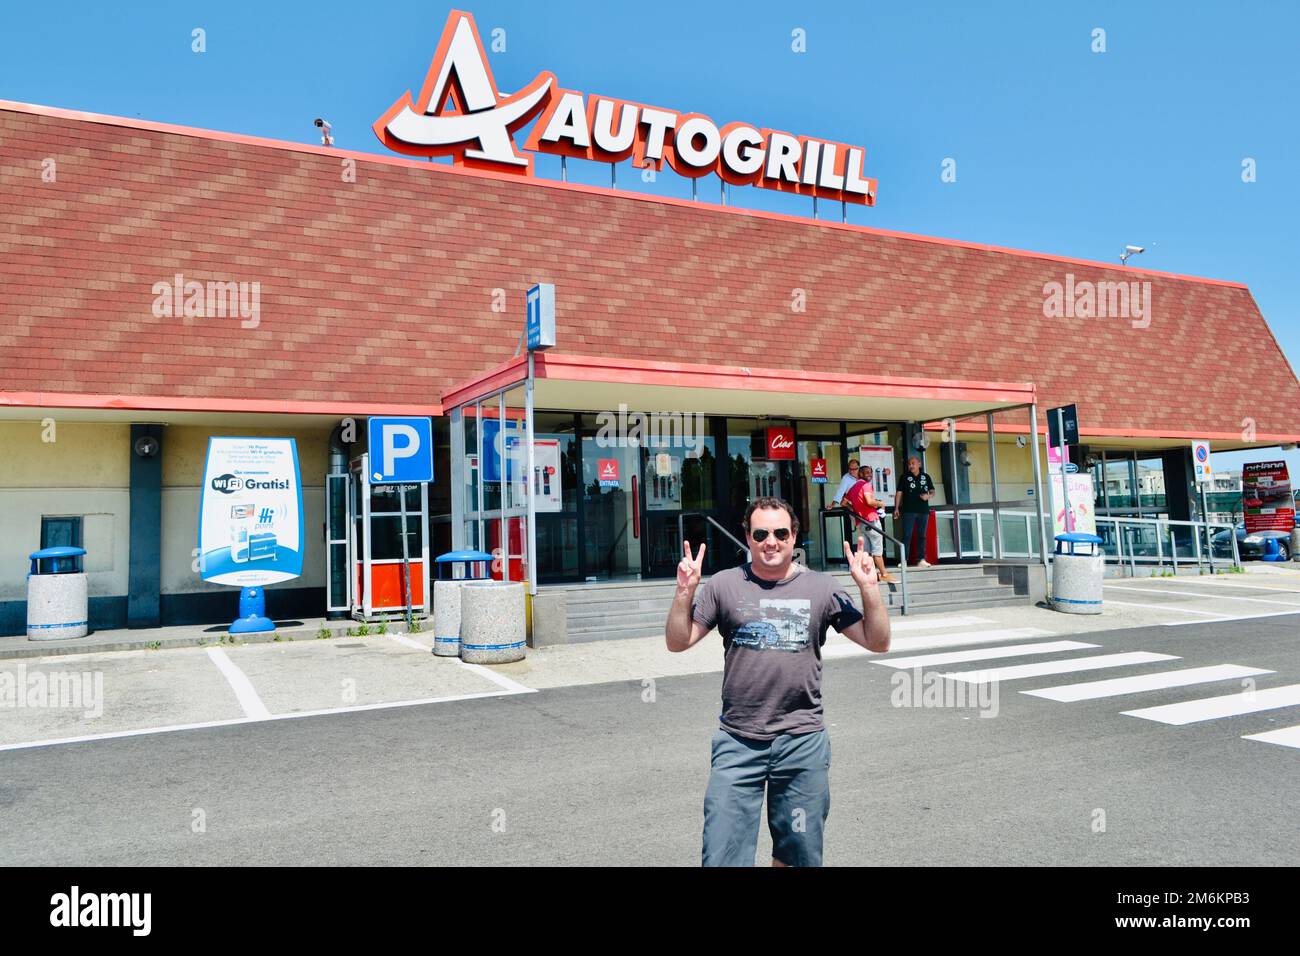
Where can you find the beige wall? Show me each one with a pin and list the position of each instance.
(65, 469)
(85, 470)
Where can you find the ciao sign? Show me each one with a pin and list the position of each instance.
(475, 129)
(780, 444)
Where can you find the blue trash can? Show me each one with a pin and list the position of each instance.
(1077, 570)
(57, 602)
(446, 596)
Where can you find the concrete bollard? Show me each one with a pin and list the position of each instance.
(492, 622)
(56, 607)
(446, 618)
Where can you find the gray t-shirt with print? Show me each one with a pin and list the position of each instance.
(773, 632)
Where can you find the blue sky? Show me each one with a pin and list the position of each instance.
(1058, 148)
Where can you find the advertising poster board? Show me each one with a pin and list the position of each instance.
(251, 530)
(880, 459)
(663, 482)
(1266, 498)
(1083, 518)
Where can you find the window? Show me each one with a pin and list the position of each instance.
(61, 532)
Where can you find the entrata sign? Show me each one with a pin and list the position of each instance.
(476, 130)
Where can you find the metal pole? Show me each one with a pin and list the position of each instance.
(1205, 516)
(956, 494)
(531, 545)
(1038, 484)
(406, 560)
(844, 211)
(1065, 459)
(993, 476)
(1173, 548)
(612, 180)
(564, 169)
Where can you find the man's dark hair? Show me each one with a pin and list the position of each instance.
(773, 503)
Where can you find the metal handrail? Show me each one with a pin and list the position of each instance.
(902, 550)
(681, 533)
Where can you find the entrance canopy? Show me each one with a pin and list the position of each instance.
(582, 382)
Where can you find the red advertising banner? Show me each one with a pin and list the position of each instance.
(780, 444)
(607, 472)
(818, 471)
(1266, 497)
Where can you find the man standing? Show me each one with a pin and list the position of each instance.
(862, 501)
(912, 502)
(848, 481)
(773, 616)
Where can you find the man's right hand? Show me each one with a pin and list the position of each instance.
(690, 567)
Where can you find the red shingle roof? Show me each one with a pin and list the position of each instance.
(382, 290)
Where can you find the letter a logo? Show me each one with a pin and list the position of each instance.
(475, 131)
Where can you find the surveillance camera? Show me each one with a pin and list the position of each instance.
(1021, 441)
(319, 122)
(1133, 250)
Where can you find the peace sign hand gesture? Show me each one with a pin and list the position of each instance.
(861, 566)
(688, 569)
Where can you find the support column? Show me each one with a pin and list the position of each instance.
(993, 477)
(1038, 483)
(144, 575)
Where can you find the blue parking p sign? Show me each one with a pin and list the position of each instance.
(401, 450)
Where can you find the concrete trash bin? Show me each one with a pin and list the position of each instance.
(493, 628)
(446, 618)
(1077, 570)
(57, 602)
(446, 596)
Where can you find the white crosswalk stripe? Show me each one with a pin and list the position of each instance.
(925, 622)
(927, 642)
(1070, 666)
(1285, 736)
(1118, 686)
(1212, 708)
(982, 654)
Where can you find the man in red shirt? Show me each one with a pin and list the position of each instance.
(862, 501)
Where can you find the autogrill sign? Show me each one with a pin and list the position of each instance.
(460, 113)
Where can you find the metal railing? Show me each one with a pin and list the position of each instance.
(878, 527)
(1131, 542)
(681, 534)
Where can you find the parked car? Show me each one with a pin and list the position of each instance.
(1251, 545)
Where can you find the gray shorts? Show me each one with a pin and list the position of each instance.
(875, 540)
(796, 772)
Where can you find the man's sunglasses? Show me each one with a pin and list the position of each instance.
(761, 534)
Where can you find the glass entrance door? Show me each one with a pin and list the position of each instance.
(611, 511)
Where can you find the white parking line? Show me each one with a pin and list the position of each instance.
(249, 702)
(1285, 736)
(1218, 583)
(1197, 594)
(172, 728)
(1018, 671)
(1212, 708)
(935, 641)
(499, 679)
(984, 653)
(1170, 607)
(409, 643)
(1117, 686)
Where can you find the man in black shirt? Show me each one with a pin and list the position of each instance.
(912, 503)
